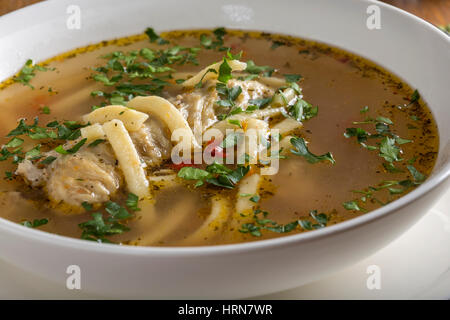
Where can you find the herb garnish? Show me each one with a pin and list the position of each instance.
(302, 150)
(265, 71)
(28, 72)
(215, 174)
(208, 43)
(122, 70)
(154, 37)
(102, 226)
(35, 223)
(302, 110)
(318, 221)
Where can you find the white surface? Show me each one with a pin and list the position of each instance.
(233, 271)
(415, 266)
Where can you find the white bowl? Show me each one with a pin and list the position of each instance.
(406, 45)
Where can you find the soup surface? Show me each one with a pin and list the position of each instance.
(78, 167)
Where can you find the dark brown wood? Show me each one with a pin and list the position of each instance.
(11, 5)
(434, 11)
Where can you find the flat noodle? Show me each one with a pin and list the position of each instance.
(288, 97)
(252, 123)
(127, 155)
(244, 207)
(216, 221)
(273, 81)
(166, 181)
(256, 132)
(167, 225)
(132, 119)
(285, 145)
(93, 132)
(287, 125)
(147, 218)
(248, 185)
(235, 65)
(167, 113)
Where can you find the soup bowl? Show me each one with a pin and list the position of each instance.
(411, 48)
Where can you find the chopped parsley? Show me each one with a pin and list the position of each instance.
(302, 110)
(302, 150)
(209, 43)
(317, 221)
(215, 174)
(265, 71)
(60, 149)
(36, 223)
(103, 225)
(28, 72)
(154, 37)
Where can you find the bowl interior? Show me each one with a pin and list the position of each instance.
(405, 45)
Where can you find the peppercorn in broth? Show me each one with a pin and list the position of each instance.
(87, 147)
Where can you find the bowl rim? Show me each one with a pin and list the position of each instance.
(191, 251)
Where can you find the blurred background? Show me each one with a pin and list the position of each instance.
(434, 11)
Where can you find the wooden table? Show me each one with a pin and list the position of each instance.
(434, 11)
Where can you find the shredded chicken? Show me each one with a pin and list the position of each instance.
(152, 142)
(89, 175)
(199, 107)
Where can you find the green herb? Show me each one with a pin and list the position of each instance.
(445, 28)
(98, 228)
(235, 122)
(255, 229)
(302, 150)
(360, 134)
(123, 70)
(390, 167)
(28, 72)
(132, 202)
(33, 153)
(255, 198)
(265, 71)
(276, 44)
(388, 150)
(224, 71)
(87, 206)
(14, 143)
(417, 176)
(226, 178)
(208, 43)
(292, 78)
(45, 110)
(415, 96)
(35, 223)
(191, 173)
(351, 205)
(60, 149)
(228, 95)
(154, 37)
(259, 103)
(96, 143)
(364, 109)
(302, 110)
